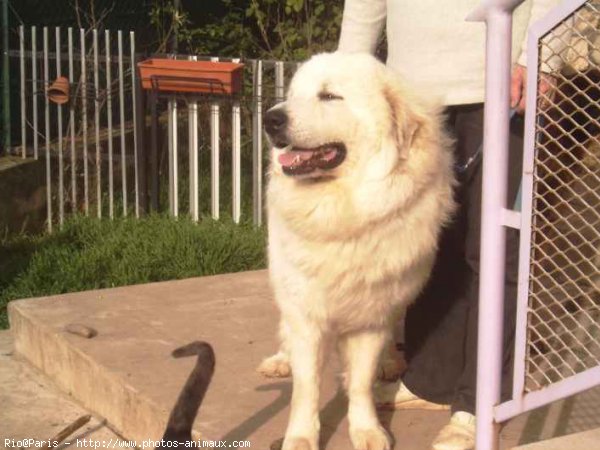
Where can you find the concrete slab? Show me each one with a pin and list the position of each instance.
(126, 374)
(586, 440)
(33, 408)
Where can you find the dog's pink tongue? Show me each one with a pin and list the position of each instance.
(328, 156)
(288, 159)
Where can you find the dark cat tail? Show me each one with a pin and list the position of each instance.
(179, 426)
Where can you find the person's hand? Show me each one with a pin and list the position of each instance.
(518, 89)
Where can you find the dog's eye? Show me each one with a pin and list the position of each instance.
(328, 96)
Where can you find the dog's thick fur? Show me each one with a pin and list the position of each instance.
(351, 247)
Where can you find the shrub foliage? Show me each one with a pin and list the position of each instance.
(289, 30)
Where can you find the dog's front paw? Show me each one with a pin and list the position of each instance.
(298, 443)
(276, 366)
(370, 439)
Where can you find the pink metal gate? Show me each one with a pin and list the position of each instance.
(557, 344)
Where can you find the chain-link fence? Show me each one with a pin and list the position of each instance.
(563, 326)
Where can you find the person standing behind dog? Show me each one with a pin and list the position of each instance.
(431, 45)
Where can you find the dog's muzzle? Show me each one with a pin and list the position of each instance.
(300, 161)
(276, 121)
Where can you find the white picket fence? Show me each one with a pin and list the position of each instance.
(97, 158)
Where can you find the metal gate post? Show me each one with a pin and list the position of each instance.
(497, 15)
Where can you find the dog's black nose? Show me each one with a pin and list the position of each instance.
(275, 122)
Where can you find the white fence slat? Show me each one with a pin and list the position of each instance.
(173, 158)
(61, 168)
(97, 108)
(170, 152)
(175, 163)
(122, 119)
(111, 181)
(135, 137)
(72, 124)
(34, 90)
(257, 154)
(86, 187)
(47, 132)
(215, 155)
(236, 158)
(279, 81)
(193, 155)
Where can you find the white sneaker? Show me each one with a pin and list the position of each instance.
(397, 396)
(459, 434)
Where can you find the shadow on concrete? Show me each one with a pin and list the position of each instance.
(254, 422)
(385, 418)
(331, 415)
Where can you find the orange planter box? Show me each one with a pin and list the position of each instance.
(207, 77)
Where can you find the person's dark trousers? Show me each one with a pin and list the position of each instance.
(441, 326)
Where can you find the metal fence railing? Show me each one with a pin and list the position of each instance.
(80, 140)
(227, 133)
(95, 146)
(557, 336)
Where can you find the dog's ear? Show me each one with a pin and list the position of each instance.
(406, 123)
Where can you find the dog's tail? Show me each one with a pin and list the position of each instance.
(179, 426)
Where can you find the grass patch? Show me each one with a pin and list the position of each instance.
(92, 253)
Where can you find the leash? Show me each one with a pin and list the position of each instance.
(476, 157)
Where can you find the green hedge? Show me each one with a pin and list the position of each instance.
(91, 254)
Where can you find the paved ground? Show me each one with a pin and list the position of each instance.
(126, 375)
(586, 440)
(33, 407)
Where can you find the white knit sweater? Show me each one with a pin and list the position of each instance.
(430, 42)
